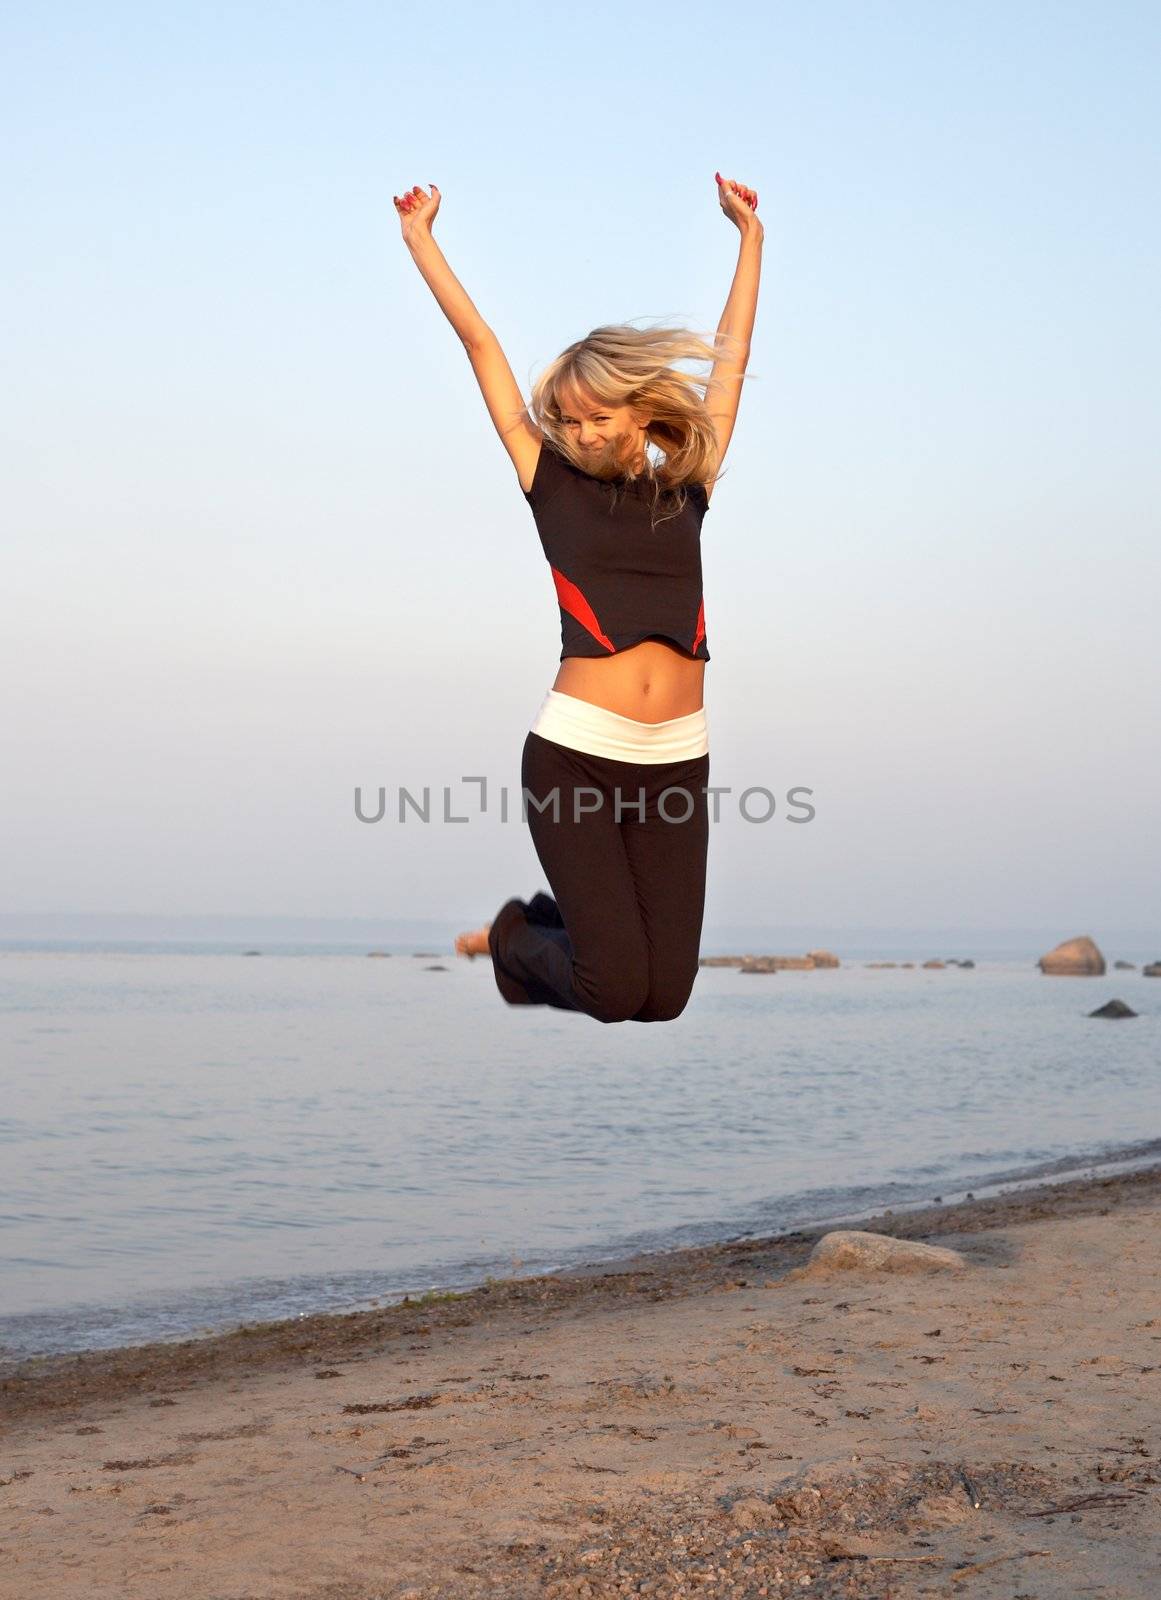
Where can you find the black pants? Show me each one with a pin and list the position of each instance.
(623, 846)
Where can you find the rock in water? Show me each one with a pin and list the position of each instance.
(823, 958)
(850, 1249)
(1113, 1008)
(1153, 970)
(1075, 958)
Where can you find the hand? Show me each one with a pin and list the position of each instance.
(417, 211)
(738, 202)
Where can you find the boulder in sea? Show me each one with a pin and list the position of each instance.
(1075, 958)
(1113, 1008)
(251, 952)
(382, 954)
(1153, 970)
(776, 964)
(935, 963)
(758, 964)
(852, 1249)
(969, 964)
(823, 958)
(435, 969)
(1124, 966)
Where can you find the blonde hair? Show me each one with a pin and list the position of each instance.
(619, 365)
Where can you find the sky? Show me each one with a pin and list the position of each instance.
(263, 546)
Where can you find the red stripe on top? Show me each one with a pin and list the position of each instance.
(574, 602)
(700, 634)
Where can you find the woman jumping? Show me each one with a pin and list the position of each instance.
(616, 763)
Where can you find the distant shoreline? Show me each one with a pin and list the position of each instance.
(95, 932)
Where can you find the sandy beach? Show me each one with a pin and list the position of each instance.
(717, 1421)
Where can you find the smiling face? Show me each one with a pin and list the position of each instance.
(605, 437)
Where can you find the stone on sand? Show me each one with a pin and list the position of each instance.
(850, 1249)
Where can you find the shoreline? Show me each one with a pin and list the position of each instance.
(46, 1383)
(726, 1420)
(1139, 1155)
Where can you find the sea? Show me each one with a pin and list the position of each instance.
(200, 1135)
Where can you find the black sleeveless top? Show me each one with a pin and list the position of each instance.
(618, 579)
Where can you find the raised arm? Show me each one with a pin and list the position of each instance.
(501, 393)
(724, 390)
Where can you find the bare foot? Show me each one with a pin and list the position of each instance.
(473, 944)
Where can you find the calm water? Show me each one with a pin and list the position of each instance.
(192, 1140)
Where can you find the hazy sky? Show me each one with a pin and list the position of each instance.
(263, 544)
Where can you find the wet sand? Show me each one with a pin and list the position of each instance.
(708, 1421)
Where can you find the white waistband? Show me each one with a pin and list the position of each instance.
(581, 725)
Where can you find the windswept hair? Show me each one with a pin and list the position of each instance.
(619, 365)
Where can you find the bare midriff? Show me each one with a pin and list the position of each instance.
(650, 682)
